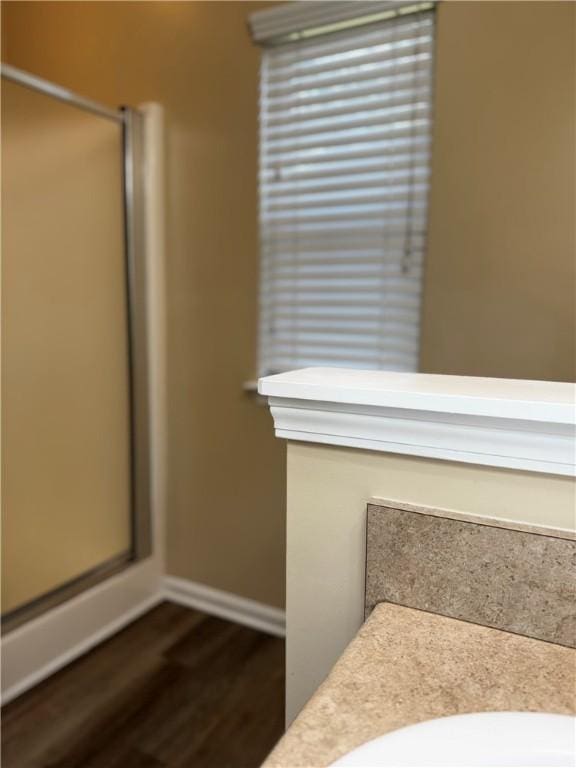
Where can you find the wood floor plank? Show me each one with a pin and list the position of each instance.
(247, 725)
(64, 706)
(176, 689)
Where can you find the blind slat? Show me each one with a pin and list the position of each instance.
(277, 161)
(330, 174)
(343, 77)
(398, 216)
(376, 299)
(348, 197)
(315, 144)
(387, 57)
(391, 83)
(329, 271)
(388, 254)
(343, 181)
(341, 44)
(274, 238)
(279, 363)
(347, 104)
(341, 125)
(342, 287)
(348, 314)
(343, 332)
(362, 348)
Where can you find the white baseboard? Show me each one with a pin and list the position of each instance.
(225, 605)
(62, 660)
(40, 648)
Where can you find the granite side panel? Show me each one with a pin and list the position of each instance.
(517, 581)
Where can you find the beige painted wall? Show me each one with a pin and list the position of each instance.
(65, 418)
(328, 489)
(226, 474)
(500, 296)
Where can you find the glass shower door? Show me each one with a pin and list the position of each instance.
(67, 368)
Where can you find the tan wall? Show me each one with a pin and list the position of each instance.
(65, 428)
(497, 299)
(500, 286)
(328, 489)
(226, 470)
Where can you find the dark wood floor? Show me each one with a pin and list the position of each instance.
(176, 689)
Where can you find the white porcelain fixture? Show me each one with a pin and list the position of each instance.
(505, 739)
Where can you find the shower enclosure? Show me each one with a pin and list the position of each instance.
(76, 508)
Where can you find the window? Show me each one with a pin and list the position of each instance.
(344, 164)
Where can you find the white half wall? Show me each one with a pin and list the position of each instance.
(328, 489)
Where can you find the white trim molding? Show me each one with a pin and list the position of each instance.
(515, 424)
(42, 646)
(225, 605)
(84, 646)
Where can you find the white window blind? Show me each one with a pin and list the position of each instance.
(344, 164)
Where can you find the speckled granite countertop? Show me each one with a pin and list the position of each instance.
(406, 665)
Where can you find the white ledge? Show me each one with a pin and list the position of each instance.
(528, 425)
